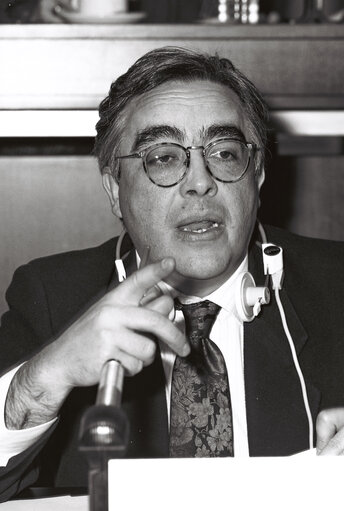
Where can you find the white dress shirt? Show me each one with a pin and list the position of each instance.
(227, 333)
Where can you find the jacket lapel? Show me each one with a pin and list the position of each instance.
(144, 401)
(276, 418)
(270, 316)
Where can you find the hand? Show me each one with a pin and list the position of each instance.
(330, 432)
(116, 327)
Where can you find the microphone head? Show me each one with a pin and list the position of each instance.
(104, 432)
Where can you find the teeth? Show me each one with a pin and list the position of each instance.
(201, 230)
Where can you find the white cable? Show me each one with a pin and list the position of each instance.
(121, 272)
(262, 232)
(119, 243)
(297, 367)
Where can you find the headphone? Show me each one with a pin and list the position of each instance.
(249, 299)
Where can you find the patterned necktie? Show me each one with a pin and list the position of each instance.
(201, 414)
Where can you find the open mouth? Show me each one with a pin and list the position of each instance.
(200, 227)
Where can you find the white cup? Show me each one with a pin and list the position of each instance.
(99, 8)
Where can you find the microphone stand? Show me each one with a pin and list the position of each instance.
(104, 433)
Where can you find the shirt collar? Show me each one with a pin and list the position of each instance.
(224, 296)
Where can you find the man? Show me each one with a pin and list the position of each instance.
(180, 144)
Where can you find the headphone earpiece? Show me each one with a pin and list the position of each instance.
(249, 298)
(273, 263)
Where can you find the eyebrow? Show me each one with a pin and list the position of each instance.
(223, 131)
(153, 133)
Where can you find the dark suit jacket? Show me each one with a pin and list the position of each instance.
(48, 294)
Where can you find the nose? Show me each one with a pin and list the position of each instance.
(198, 181)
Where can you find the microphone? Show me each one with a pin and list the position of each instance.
(104, 433)
(105, 425)
(110, 384)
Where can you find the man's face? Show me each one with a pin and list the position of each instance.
(205, 225)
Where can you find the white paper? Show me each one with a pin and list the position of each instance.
(262, 484)
(65, 503)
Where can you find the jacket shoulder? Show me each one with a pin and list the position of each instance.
(55, 288)
(324, 256)
(80, 260)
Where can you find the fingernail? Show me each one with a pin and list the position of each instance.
(186, 350)
(153, 293)
(146, 299)
(167, 263)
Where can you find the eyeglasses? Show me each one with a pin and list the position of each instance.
(166, 163)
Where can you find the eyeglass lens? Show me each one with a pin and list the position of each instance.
(227, 160)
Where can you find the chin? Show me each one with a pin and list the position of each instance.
(203, 269)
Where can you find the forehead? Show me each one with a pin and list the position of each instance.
(190, 106)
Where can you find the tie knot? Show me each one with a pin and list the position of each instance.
(199, 317)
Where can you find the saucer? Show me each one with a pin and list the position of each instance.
(216, 21)
(119, 17)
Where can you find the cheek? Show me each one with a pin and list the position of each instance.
(243, 201)
(142, 211)
(242, 209)
(249, 201)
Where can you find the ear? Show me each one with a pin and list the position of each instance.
(112, 189)
(260, 178)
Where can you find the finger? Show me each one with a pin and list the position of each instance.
(153, 293)
(144, 320)
(335, 446)
(162, 304)
(327, 424)
(138, 346)
(139, 283)
(131, 365)
(325, 429)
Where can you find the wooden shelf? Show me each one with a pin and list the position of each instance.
(60, 66)
(173, 31)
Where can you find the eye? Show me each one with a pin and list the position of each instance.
(162, 159)
(223, 155)
(164, 156)
(226, 151)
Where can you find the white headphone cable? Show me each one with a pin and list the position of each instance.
(297, 366)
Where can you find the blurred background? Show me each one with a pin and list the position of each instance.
(57, 62)
(186, 11)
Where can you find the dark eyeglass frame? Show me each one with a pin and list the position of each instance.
(142, 154)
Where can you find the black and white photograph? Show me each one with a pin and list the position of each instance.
(171, 254)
